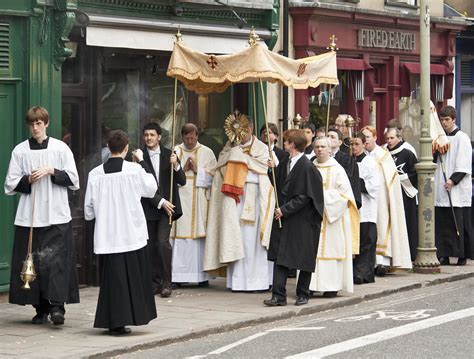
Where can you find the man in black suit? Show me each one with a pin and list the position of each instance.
(295, 245)
(158, 160)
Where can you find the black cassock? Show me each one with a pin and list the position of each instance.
(352, 170)
(405, 161)
(125, 295)
(301, 201)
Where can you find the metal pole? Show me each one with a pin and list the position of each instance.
(426, 260)
(284, 113)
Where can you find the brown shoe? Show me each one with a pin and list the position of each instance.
(165, 292)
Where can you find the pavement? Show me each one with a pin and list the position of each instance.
(191, 312)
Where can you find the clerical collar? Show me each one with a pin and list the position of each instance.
(453, 132)
(190, 149)
(34, 145)
(397, 149)
(113, 165)
(361, 157)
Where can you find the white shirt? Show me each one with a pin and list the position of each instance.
(155, 161)
(369, 172)
(295, 159)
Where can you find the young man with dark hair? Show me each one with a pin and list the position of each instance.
(295, 245)
(160, 161)
(272, 135)
(113, 195)
(456, 165)
(309, 130)
(41, 170)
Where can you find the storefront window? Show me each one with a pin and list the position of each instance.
(120, 103)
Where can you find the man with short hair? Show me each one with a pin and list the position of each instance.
(272, 136)
(405, 161)
(241, 206)
(189, 231)
(346, 161)
(113, 195)
(456, 165)
(339, 239)
(340, 124)
(41, 170)
(295, 244)
(160, 161)
(393, 248)
(369, 178)
(310, 133)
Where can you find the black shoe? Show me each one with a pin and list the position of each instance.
(444, 261)
(40, 319)
(301, 301)
(358, 279)
(330, 294)
(381, 270)
(461, 262)
(274, 302)
(57, 317)
(165, 292)
(120, 331)
(204, 284)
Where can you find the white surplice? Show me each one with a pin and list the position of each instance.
(339, 237)
(189, 232)
(113, 199)
(51, 201)
(392, 237)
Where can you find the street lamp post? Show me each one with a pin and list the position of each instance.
(426, 260)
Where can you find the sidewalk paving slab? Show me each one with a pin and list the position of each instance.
(191, 312)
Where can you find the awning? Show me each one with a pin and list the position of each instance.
(436, 70)
(144, 34)
(352, 64)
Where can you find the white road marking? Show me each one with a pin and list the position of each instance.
(381, 305)
(383, 335)
(237, 343)
(291, 329)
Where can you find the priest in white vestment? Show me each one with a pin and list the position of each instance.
(189, 231)
(393, 249)
(240, 215)
(339, 238)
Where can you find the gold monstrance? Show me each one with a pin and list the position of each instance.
(236, 127)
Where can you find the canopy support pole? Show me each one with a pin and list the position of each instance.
(269, 148)
(173, 142)
(254, 110)
(329, 109)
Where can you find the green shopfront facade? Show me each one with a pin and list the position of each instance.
(100, 65)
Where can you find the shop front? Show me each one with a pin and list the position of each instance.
(116, 79)
(378, 65)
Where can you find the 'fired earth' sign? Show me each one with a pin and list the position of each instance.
(386, 39)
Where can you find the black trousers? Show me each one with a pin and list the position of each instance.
(160, 252)
(364, 263)
(280, 275)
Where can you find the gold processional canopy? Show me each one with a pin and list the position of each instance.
(205, 73)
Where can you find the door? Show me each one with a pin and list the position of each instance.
(73, 133)
(8, 135)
